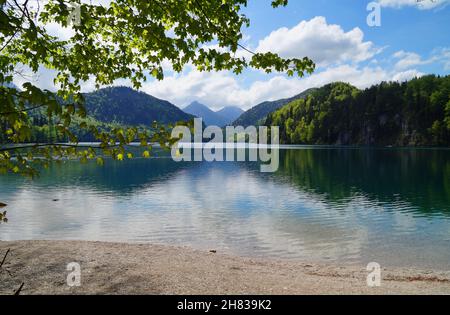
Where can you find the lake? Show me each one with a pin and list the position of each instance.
(331, 205)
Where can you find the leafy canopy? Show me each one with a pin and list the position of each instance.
(127, 39)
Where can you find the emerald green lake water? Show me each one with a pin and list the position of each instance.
(349, 206)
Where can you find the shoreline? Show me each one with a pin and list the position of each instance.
(125, 268)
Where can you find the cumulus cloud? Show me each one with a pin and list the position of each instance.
(219, 89)
(62, 33)
(407, 60)
(324, 43)
(421, 4)
(341, 56)
(443, 56)
(407, 75)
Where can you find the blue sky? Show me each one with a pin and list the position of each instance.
(412, 40)
(406, 28)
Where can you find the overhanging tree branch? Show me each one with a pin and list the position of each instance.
(65, 145)
(23, 110)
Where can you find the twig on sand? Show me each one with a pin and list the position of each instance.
(19, 289)
(3, 261)
(4, 257)
(17, 292)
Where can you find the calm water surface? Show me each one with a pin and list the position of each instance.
(332, 205)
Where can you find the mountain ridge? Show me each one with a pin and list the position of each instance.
(130, 107)
(219, 118)
(258, 113)
(231, 113)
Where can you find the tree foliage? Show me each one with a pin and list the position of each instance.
(128, 39)
(412, 113)
(126, 106)
(109, 108)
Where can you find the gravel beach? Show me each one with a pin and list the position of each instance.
(119, 268)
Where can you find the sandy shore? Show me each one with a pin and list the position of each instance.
(113, 268)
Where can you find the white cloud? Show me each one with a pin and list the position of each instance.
(219, 89)
(421, 4)
(442, 55)
(54, 28)
(338, 53)
(408, 60)
(324, 43)
(406, 75)
(62, 33)
(44, 79)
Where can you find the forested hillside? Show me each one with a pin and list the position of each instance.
(126, 106)
(258, 114)
(107, 109)
(414, 113)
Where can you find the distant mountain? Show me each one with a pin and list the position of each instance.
(231, 113)
(127, 106)
(258, 114)
(211, 118)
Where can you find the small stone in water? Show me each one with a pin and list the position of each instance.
(213, 251)
(2, 204)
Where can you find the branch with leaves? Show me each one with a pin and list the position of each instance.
(128, 39)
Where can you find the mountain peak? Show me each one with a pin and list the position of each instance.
(197, 105)
(220, 118)
(231, 113)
